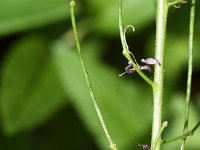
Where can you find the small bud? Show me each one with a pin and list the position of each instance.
(145, 146)
(147, 68)
(151, 61)
(129, 69)
(129, 66)
(165, 124)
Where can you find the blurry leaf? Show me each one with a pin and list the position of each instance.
(125, 107)
(138, 13)
(30, 91)
(176, 55)
(175, 128)
(21, 15)
(19, 142)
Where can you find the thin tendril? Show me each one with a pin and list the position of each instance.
(125, 29)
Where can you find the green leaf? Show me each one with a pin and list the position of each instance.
(30, 91)
(125, 107)
(21, 15)
(138, 13)
(177, 56)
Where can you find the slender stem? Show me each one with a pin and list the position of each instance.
(173, 3)
(164, 125)
(161, 23)
(186, 134)
(126, 51)
(112, 145)
(189, 77)
(121, 30)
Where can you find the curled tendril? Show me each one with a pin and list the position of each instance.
(125, 29)
(124, 34)
(179, 5)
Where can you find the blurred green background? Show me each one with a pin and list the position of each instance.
(44, 101)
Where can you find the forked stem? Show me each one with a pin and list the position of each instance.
(126, 52)
(175, 2)
(186, 134)
(164, 125)
(87, 79)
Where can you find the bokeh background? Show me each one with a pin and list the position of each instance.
(44, 101)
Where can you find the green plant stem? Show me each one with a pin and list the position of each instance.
(112, 145)
(173, 3)
(189, 77)
(161, 23)
(164, 125)
(186, 134)
(121, 30)
(126, 52)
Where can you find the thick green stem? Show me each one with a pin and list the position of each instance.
(161, 23)
(87, 79)
(189, 77)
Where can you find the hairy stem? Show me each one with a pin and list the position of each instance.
(189, 77)
(87, 79)
(164, 125)
(161, 23)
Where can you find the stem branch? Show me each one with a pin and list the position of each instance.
(164, 125)
(173, 3)
(126, 52)
(186, 134)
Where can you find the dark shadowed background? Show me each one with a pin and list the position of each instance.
(44, 101)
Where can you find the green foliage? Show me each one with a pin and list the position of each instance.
(30, 91)
(176, 108)
(21, 15)
(106, 20)
(113, 95)
(40, 76)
